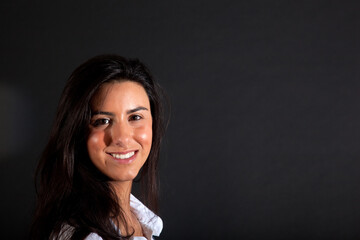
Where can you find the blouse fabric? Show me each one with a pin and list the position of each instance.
(151, 223)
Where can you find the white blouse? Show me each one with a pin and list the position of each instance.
(151, 224)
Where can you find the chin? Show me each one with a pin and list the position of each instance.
(125, 177)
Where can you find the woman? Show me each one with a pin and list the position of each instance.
(108, 126)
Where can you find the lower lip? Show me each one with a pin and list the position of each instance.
(126, 160)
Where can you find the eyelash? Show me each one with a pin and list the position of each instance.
(105, 121)
(135, 117)
(100, 122)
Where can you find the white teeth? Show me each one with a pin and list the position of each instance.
(123, 156)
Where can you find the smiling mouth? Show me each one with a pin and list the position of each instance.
(122, 156)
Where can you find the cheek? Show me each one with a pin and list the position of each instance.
(145, 138)
(94, 142)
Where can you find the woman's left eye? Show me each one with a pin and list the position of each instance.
(135, 118)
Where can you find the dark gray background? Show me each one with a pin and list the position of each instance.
(264, 136)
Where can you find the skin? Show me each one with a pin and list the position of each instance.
(121, 123)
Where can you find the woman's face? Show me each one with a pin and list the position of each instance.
(120, 130)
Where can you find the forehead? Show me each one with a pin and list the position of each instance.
(120, 93)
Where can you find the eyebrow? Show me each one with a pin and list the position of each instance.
(112, 114)
(137, 109)
(102, 113)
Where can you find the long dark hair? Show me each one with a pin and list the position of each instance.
(70, 190)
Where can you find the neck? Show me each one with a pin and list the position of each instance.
(123, 191)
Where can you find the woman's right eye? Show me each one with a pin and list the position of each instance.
(100, 122)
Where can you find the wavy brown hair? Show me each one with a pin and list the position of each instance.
(71, 191)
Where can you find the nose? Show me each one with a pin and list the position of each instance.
(121, 134)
